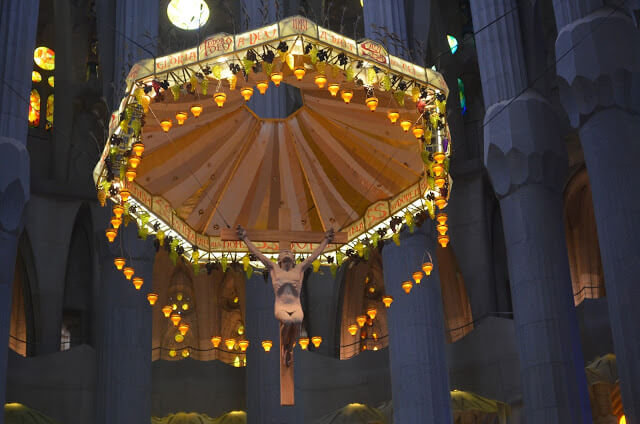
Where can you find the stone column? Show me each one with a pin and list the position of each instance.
(600, 90)
(527, 163)
(127, 33)
(18, 22)
(263, 368)
(123, 337)
(391, 15)
(419, 373)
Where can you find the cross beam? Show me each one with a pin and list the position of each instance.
(230, 234)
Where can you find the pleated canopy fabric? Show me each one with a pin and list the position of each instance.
(327, 162)
(16, 413)
(233, 417)
(354, 413)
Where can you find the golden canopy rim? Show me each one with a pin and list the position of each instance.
(336, 164)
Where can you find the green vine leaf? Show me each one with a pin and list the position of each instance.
(399, 96)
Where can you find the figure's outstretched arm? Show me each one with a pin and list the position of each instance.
(328, 238)
(242, 234)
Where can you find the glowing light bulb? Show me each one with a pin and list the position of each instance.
(406, 286)
(277, 78)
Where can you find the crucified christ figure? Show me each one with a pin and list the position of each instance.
(286, 278)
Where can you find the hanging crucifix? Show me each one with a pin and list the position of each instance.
(287, 279)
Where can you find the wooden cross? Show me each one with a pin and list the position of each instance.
(284, 236)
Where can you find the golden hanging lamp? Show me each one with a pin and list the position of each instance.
(262, 86)
(443, 240)
(440, 181)
(134, 161)
(406, 286)
(244, 344)
(333, 89)
(387, 300)
(418, 131)
(405, 124)
(111, 234)
(439, 157)
(353, 329)
(118, 210)
(138, 148)
(441, 202)
(181, 117)
(124, 194)
(175, 318)
(320, 81)
(116, 222)
(215, 341)
(441, 218)
(372, 103)
(277, 78)
(266, 345)
(361, 320)
(246, 93)
(166, 310)
(442, 229)
(152, 298)
(437, 169)
(183, 328)
(230, 343)
(196, 110)
(304, 342)
(393, 116)
(220, 98)
(427, 267)
(372, 312)
(316, 340)
(128, 272)
(138, 282)
(417, 277)
(299, 72)
(131, 174)
(119, 263)
(347, 95)
(166, 125)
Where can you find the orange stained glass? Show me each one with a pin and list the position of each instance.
(49, 112)
(50, 81)
(35, 76)
(45, 58)
(34, 108)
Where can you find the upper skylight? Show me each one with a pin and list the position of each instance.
(188, 14)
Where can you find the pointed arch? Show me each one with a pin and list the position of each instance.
(583, 247)
(78, 285)
(21, 329)
(362, 288)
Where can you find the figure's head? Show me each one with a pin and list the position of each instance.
(286, 259)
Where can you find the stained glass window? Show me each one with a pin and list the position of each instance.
(34, 108)
(49, 124)
(35, 76)
(453, 43)
(463, 98)
(45, 58)
(50, 81)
